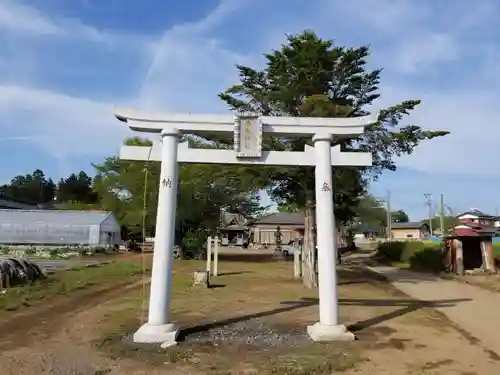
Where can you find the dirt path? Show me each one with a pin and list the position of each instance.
(476, 312)
(23, 327)
(399, 335)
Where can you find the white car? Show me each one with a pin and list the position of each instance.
(292, 247)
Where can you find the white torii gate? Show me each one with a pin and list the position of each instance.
(247, 129)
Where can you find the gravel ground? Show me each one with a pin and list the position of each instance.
(253, 334)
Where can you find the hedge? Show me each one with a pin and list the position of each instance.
(420, 256)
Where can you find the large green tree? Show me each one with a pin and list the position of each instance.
(77, 188)
(370, 212)
(399, 216)
(309, 76)
(130, 190)
(32, 188)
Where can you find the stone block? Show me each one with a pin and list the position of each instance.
(201, 278)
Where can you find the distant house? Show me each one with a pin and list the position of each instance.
(475, 223)
(410, 231)
(233, 229)
(291, 227)
(469, 243)
(58, 228)
(476, 216)
(364, 232)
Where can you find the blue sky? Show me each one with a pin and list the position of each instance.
(65, 64)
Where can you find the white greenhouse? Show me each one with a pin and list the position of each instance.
(58, 228)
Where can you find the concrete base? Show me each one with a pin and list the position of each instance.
(165, 334)
(321, 333)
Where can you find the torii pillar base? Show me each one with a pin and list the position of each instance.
(321, 333)
(165, 334)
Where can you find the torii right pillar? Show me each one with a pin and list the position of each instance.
(328, 328)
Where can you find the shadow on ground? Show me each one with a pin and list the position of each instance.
(379, 265)
(263, 256)
(407, 306)
(249, 257)
(234, 273)
(405, 276)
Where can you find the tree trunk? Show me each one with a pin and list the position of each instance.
(309, 275)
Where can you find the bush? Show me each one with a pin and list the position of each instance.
(421, 256)
(411, 248)
(100, 250)
(391, 250)
(192, 244)
(427, 259)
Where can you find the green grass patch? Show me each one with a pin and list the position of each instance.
(416, 255)
(496, 249)
(402, 265)
(246, 289)
(65, 282)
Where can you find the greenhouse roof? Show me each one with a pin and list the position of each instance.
(54, 217)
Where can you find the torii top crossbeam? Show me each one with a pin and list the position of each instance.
(302, 126)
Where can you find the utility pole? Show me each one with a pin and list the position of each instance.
(429, 204)
(389, 216)
(441, 214)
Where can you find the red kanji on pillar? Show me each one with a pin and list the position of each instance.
(325, 187)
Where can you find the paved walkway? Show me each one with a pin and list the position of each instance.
(477, 311)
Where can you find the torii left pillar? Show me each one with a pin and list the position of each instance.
(159, 328)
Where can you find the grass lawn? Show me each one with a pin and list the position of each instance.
(496, 248)
(254, 321)
(66, 282)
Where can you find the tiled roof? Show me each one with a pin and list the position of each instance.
(410, 225)
(281, 218)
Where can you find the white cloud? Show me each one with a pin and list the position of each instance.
(192, 62)
(25, 21)
(470, 116)
(176, 82)
(190, 67)
(384, 16)
(426, 50)
(19, 18)
(59, 124)
(52, 120)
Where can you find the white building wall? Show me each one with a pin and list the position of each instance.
(94, 235)
(109, 225)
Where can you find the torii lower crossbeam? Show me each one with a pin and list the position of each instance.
(210, 156)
